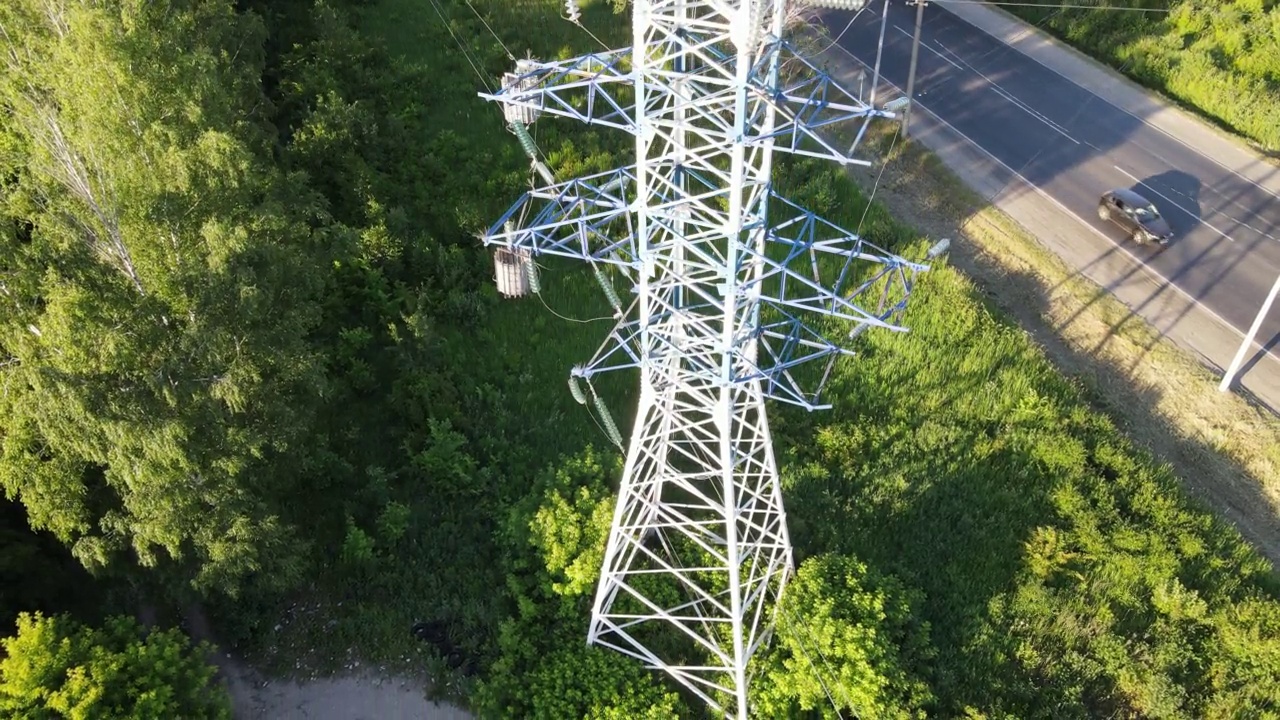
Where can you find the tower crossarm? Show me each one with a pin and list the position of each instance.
(619, 351)
(597, 88)
(592, 88)
(585, 218)
(811, 107)
(798, 290)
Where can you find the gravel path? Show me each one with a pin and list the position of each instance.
(358, 696)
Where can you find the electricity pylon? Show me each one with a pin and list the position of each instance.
(733, 287)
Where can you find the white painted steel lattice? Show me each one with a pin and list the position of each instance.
(733, 289)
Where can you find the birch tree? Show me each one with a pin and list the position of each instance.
(158, 281)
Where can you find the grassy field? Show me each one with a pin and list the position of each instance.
(1063, 570)
(1225, 449)
(962, 460)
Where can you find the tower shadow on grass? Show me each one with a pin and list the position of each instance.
(947, 471)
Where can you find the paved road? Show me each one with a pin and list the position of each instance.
(1073, 145)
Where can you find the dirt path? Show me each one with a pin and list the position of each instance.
(353, 696)
(360, 696)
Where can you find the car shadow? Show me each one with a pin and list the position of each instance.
(1177, 195)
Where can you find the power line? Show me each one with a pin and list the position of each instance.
(461, 47)
(575, 16)
(816, 673)
(1047, 6)
(491, 32)
(842, 32)
(887, 157)
(569, 319)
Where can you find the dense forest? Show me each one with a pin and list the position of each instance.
(1220, 57)
(253, 361)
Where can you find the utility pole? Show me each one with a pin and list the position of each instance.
(911, 74)
(1248, 338)
(875, 74)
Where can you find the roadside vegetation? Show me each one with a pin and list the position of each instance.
(253, 361)
(1220, 57)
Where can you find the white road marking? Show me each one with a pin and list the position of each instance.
(999, 90)
(1032, 112)
(1175, 203)
(1037, 189)
(1140, 119)
(926, 47)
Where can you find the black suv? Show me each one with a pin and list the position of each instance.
(1136, 215)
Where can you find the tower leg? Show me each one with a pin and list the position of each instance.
(699, 554)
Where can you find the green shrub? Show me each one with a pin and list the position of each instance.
(57, 668)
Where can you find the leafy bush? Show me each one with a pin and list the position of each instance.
(57, 668)
(555, 544)
(850, 642)
(1062, 571)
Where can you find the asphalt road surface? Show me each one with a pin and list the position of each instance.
(1074, 146)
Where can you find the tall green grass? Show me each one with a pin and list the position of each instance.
(1065, 573)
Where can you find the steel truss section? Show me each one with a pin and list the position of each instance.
(812, 105)
(585, 219)
(584, 88)
(734, 287)
(809, 105)
(809, 269)
(699, 541)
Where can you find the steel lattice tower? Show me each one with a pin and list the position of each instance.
(733, 286)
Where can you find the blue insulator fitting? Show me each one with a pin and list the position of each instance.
(526, 141)
(535, 278)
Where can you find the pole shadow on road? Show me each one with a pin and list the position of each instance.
(1259, 355)
(1072, 144)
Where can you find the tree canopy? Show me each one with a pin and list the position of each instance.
(850, 641)
(160, 282)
